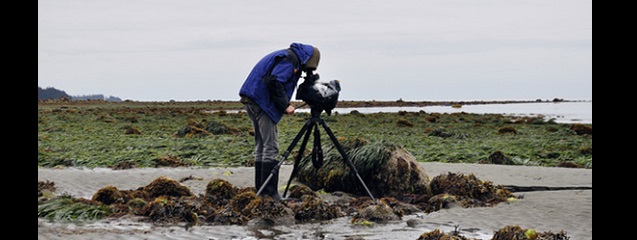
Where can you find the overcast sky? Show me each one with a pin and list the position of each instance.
(416, 50)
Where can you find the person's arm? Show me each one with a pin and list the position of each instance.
(281, 73)
(278, 96)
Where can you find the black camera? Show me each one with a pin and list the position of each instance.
(320, 96)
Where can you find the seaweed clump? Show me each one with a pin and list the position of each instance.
(516, 232)
(46, 190)
(498, 157)
(219, 192)
(467, 190)
(169, 161)
(507, 129)
(436, 234)
(205, 128)
(393, 176)
(108, 195)
(221, 128)
(168, 187)
(581, 129)
(267, 211)
(165, 200)
(379, 212)
(506, 233)
(313, 208)
(165, 209)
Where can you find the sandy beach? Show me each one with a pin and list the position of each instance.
(570, 211)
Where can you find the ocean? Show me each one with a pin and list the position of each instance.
(560, 112)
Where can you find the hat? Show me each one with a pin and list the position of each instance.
(313, 61)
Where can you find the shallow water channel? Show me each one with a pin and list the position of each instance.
(410, 227)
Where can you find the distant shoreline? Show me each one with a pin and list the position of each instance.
(233, 105)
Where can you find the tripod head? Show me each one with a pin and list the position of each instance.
(320, 96)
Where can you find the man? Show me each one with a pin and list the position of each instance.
(266, 95)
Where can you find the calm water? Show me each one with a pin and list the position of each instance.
(562, 112)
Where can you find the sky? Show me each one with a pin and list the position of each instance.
(414, 50)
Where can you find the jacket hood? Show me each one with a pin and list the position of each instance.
(303, 51)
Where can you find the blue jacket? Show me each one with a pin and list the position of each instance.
(273, 102)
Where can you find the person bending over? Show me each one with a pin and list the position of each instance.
(266, 95)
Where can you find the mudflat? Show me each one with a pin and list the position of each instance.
(565, 210)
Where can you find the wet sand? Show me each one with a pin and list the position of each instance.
(563, 210)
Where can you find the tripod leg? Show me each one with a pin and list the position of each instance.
(305, 127)
(295, 170)
(344, 155)
(317, 152)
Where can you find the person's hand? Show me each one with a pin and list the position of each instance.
(290, 110)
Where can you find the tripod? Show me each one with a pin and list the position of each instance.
(313, 122)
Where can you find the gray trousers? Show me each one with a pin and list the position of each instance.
(265, 134)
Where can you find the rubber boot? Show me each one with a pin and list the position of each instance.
(271, 187)
(257, 176)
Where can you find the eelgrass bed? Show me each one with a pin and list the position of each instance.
(151, 134)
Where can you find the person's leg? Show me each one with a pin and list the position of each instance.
(269, 138)
(268, 134)
(265, 134)
(254, 112)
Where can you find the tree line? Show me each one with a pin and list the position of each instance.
(53, 93)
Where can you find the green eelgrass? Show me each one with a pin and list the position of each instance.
(94, 134)
(66, 209)
(365, 157)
